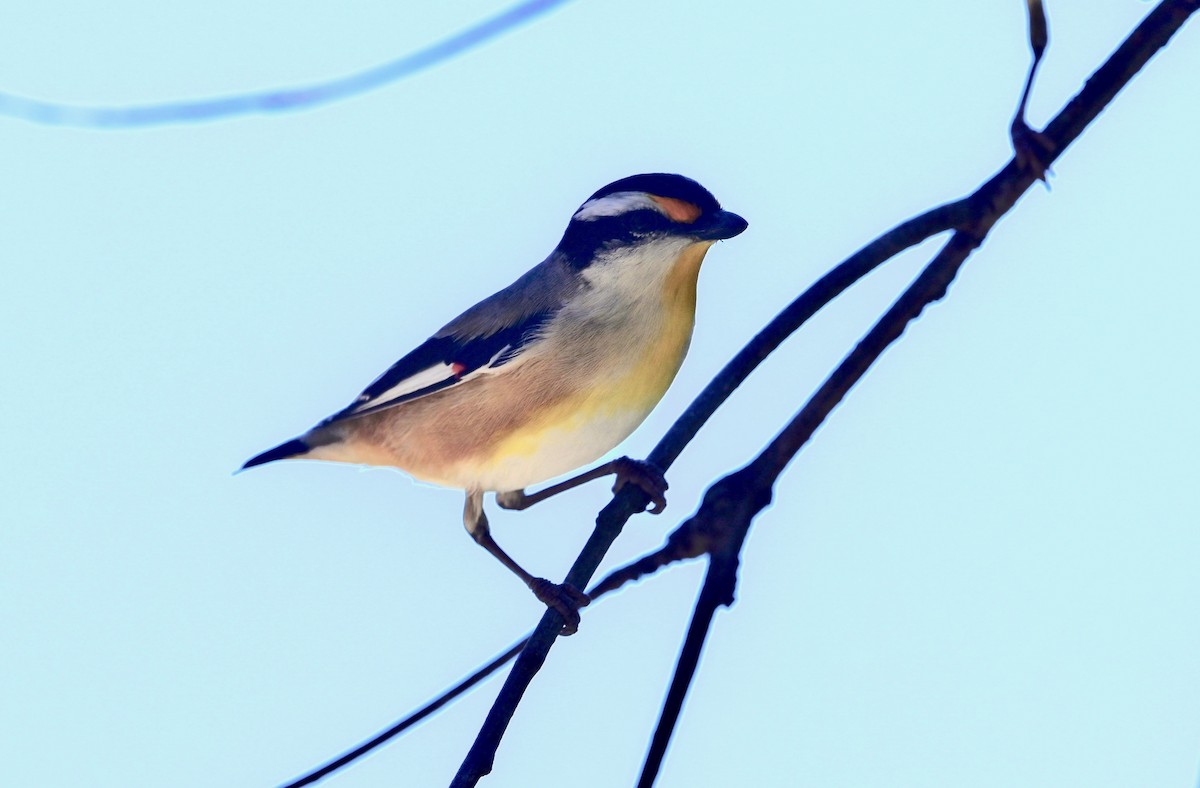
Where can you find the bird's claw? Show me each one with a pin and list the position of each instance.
(646, 477)
(563, 598)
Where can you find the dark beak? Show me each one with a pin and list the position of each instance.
(718, 226)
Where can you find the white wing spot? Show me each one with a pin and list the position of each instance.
(416, 382)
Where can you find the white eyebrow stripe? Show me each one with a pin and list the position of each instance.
(614, 205)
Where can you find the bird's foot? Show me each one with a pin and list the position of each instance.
(1032, 150)
(564, 599)
(646, 477)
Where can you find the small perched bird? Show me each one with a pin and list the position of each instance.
(549, 373)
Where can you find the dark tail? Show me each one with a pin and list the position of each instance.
(280, 452)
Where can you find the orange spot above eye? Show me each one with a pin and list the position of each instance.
(677, 210)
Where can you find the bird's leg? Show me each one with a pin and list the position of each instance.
(639, 473)
(565, 599)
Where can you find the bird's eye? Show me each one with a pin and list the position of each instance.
(645, 221)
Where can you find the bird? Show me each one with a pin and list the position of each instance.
(548, 374)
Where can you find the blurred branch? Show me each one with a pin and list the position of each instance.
(271, 101)
(721, 524)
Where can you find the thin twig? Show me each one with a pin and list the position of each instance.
(409, 721)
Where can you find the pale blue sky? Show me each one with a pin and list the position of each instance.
(982, 572)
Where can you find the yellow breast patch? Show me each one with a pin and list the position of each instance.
(608, 412)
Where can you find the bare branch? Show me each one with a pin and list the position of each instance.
(731, 503)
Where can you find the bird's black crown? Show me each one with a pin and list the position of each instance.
(663, 184)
